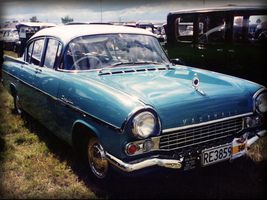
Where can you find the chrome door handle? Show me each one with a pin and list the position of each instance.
(38, 69)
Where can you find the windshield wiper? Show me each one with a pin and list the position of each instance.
(115, 64)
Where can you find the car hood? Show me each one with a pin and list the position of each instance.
(171, 92)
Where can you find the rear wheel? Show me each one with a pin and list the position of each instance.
(97, 158)
(17, 105)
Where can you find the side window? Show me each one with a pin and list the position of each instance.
(239, 25)
(37, 52)
(217, 37)
(29, 52)
(203, 39)
(191, 27)
(52, 53)
(249, 28)
(6, 34)
(185, 28)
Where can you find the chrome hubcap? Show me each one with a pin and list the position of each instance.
(18, 105)
(97, 158)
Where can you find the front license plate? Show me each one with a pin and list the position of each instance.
(216, 154)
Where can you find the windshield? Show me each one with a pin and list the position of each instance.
(101, 51)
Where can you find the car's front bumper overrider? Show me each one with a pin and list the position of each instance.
(256, 137)
(160, 160)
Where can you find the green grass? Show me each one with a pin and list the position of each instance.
(33, 162)
(11, 53)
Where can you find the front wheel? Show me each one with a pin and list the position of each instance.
(97, 158)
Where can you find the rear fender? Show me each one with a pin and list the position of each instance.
(13, 89)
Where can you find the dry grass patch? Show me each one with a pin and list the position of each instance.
(258, 151)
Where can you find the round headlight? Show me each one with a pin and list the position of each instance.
(261, 103)
(143, 125)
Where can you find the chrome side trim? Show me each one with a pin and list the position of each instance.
(206, 123)
(144, 163)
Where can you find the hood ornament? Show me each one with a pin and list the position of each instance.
(195, 84)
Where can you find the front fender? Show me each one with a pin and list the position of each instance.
(97, 101)
(111, 140)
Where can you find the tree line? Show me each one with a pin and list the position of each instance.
(64, 20)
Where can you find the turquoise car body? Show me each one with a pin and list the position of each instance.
(107, 100)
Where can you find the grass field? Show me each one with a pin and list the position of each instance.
(36, 164)
(33, 162)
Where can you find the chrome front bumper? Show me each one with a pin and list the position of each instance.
(146, 162)
(157, 161)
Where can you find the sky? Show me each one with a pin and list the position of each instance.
(112, 10)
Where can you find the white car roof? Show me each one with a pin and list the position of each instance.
(67, 33)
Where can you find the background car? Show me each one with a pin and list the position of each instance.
(26, 30)
(9, 38)
(222, 39)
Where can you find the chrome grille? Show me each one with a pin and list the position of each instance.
(198, 136)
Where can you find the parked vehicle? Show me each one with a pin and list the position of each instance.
(9, 38)
(26, 30)
(112, 93)
(157, 30)
(222, 39)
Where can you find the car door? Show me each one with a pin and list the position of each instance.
(33, 54)
(247, 51)
(26, 75)
(213, 50)
(46, 83)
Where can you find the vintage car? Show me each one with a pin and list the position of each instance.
(221, 39)
(112, 93)
(9, 37)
